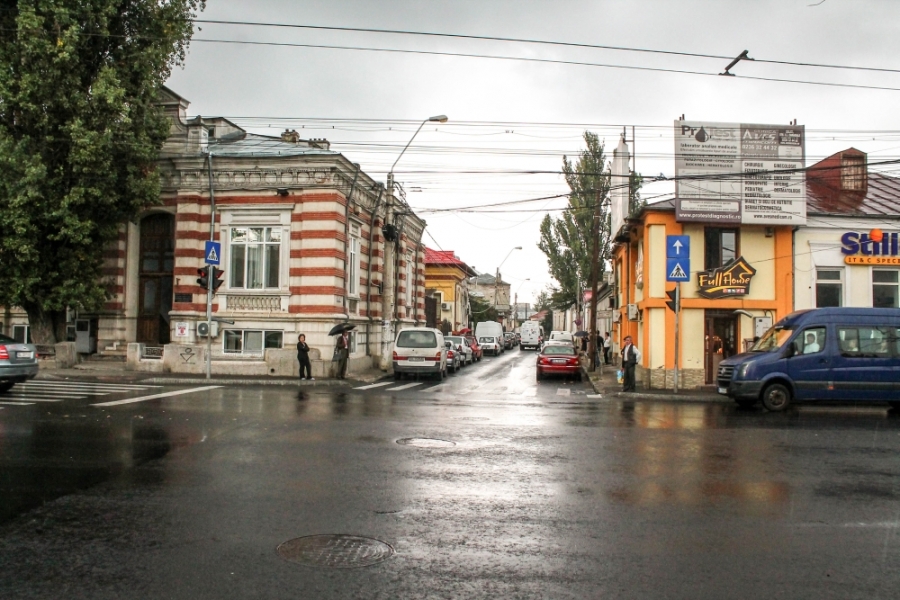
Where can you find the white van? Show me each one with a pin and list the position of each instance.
(532, 335)
(420, 350)
(490, 337)
(562, 336)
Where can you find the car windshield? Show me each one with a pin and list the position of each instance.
(416, 339)
(773, 340)
(560, 350)
(486, 340)
(454, 339)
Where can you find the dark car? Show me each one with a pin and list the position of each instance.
(558, 359)
(18, 362)
(509, 340)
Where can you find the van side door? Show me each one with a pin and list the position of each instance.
(867, 365)
(809, 365)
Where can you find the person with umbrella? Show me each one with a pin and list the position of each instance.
(342, 347)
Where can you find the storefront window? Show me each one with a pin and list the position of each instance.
(829, 288)
(885, 289)
(721, 247)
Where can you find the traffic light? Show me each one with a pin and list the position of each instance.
(217, 278)
(203, 279)
(673, 300)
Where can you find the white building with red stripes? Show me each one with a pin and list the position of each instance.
(302, 249)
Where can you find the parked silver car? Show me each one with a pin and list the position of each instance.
(18, 362)
(461, 344)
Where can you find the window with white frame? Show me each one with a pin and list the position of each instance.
(255, 257)
(353, 266)
(410, 282)
(885, 290)
(251, 341)
(829, 287)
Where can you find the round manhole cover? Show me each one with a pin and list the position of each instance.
(425, 443)
(336, 551)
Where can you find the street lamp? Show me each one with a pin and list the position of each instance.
(497, 278)
(387, 300)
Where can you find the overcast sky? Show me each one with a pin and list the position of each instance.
(508, 117)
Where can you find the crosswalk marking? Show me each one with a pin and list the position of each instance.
(373, 385)
(17, 403)
(155, 396)
(54, 393)
(36, 398)
(405, 387)
(594, 396)
(563, 392)
(85, 386)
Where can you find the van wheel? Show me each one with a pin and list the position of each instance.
(776, 397)
(6, 386)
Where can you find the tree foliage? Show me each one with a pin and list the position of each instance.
(481, 310)
(567, 240)
(79, 137)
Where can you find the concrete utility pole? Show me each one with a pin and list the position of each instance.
(595, 268)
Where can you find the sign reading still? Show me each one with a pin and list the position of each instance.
(725, 282)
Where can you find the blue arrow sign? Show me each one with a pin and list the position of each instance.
(678, 269)
(212, 253)
(678, 246)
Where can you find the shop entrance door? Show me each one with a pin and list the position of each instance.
(156, 268)
(721, 340)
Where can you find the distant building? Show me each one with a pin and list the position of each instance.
(445, 282)
(495, 292)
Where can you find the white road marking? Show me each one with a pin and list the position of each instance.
(35, 398)
(374, 385)
(17, 403)
(404, 387)
(52, 393)
(563, 392)
(86, 386)
(437, 388)
(155, 396)
(595, 395)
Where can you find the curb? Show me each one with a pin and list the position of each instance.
(248, 382)
(609, 393)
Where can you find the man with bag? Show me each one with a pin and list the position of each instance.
(630, 356)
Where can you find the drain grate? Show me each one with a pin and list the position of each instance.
(335, 551)
(425, 443)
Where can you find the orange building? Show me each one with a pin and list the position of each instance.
(740, 282)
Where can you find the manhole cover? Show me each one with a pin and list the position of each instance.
(425, 443)
(336, 551)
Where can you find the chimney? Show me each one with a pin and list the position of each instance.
(320, 143)
(290, 135)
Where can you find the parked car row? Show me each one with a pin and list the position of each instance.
(427, 351)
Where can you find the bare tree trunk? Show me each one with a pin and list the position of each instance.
(47, 326)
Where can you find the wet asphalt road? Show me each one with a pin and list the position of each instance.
(547, 493)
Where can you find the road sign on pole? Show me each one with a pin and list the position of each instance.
(678, 246)
(678, 258)
(212, 254)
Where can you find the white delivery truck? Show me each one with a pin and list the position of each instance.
(490, 337)
(532, 335)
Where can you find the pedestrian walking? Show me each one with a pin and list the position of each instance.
(607, 347)
(342, 348)
(303, 359)
(630, 357)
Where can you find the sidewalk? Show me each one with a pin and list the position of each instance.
(114, 371)
(607, 385)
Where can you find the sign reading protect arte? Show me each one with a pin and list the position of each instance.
(735, 173)
(873, 248)
(726, 282)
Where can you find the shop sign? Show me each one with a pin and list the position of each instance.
(873, 248)
(728, 281)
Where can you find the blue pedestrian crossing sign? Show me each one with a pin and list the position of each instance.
(678, 246)
(212, 253)
(678, 269)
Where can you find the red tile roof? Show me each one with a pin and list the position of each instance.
(445, 257)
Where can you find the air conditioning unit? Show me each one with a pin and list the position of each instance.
(633, 312)
(446, 306)
(207, 329)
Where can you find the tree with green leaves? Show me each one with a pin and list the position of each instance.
(567, 240)
(79, 138)
(481, 310)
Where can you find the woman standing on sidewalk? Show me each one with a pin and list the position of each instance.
(303, 359)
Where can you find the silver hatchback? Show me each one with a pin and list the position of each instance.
(18, 362)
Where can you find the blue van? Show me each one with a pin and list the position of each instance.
(841, 354)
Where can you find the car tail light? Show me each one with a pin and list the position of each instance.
(4, 355)
(437, 356)
(449, 354)
(398, 357)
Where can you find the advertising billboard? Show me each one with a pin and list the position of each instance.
(738, 173)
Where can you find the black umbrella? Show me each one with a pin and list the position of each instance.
(581, 334)
(341, 328)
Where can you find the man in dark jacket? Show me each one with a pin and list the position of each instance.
(343, 347)
(629, 360)
(303, 359)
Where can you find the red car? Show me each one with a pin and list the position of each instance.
(558, 359)
(477, 352)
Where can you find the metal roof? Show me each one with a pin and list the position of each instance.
(252, 144)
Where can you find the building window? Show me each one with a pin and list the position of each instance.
(353, 275)
(885, 289)
(22, 334)
(829, 287)
(853, 173)
(721, 247)
(251, 341)
(255, 257)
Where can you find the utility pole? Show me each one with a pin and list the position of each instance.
(387, 283)
(595, 269)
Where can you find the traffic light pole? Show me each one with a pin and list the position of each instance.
(209, 268)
